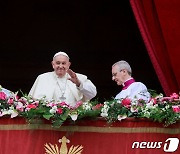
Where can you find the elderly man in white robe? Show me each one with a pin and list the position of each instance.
(63, 84)
(121, 74)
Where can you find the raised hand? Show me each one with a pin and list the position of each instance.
(73, 77)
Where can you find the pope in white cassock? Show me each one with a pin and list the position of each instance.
(121, 74)
(63, 84)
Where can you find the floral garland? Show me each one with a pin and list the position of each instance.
(162, 109)
(56, 112)
(165, 110)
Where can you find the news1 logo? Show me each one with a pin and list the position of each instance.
(170, 145)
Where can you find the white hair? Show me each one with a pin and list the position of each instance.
(122, 64)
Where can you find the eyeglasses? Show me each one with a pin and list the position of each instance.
(114, 74)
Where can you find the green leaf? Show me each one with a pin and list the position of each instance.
(47, 116)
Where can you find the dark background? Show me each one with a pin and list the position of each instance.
(95, 34)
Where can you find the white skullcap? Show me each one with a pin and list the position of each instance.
(61, 53)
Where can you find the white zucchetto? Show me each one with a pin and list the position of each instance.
(61, 53)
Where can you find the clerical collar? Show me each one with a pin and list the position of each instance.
(127, 83)
(62, 78)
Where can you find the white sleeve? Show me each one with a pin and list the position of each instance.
(87, 88)
(139, 91)
(42, 87)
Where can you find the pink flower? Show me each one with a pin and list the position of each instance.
(22, 100)
(63, 104)
(20, 106)
(36, 103)
(59, 110)
(126, 102)
(2, 96)
(78, 104)
(17, 97)
(153, 100)
(31, 106)
(176, 108)
(98, 106)
(51, 104)
(166, 99)
(10, 101)
(174, 96)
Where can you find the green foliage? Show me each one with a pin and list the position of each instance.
(162, 111)
(165, 110)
